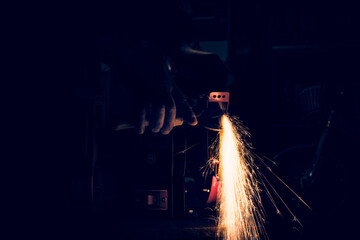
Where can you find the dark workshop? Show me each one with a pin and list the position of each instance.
(188, 119)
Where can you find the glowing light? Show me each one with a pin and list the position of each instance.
(240, 209)
(237, 182)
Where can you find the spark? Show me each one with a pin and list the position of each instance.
(241, 215)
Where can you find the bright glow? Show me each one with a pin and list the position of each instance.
(240, 208)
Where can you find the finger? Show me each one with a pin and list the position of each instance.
(189, 115)
(170, 115)
(157, 119)
(141, 121)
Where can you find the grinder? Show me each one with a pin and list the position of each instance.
(207, 118)
(216, 105)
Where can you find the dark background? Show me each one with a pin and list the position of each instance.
(290, 61)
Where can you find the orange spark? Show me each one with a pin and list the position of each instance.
(240, 209)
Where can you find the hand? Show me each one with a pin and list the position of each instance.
(157, 96)
(161, 110)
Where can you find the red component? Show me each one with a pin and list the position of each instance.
(215, 187)
(215, 161)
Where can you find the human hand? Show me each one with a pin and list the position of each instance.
(158, 101)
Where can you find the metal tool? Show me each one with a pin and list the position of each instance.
(208, 119)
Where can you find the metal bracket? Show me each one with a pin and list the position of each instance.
(219, 97)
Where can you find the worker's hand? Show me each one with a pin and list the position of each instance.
(161, 111)
(158, 100)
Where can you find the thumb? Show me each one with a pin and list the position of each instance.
(184, 109)
(188, 113)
